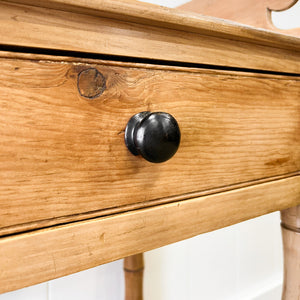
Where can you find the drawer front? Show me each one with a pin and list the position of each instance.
(62, 134)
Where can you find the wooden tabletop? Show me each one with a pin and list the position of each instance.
(141, 30)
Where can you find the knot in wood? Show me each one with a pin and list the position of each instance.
(91, 83)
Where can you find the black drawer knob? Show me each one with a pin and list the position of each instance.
(155, 136)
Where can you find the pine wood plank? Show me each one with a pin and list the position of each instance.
(148, 14)
(64, 154)
(29, 226)
(34, 257)
(156, 34)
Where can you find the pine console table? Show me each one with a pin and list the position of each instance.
(74, 195)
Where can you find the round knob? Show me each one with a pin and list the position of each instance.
(154, 136)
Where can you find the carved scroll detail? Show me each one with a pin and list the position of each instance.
(249, 12)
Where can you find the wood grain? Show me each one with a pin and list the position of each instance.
(153, 65)
(163, 17)
(64, 154)
(291, 218)
(189, 38)
(29, 226)
(34, 257)
(291, 248)
(250, 12)
(133, 271)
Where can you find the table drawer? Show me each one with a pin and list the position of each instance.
(62, 134)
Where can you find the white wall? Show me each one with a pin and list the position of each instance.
(241, 262)
(287, 19)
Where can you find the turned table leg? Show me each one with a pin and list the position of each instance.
(133, 269)
(291, 247)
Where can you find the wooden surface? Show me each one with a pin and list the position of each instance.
(133, 271)
(42, 255)
(291, 247)
(148, 14)
(251, 12)
(63, 152)
(62, 128)
(291, 218)
(144, 31)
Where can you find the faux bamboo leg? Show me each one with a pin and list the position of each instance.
(291, 246)
(134, 269)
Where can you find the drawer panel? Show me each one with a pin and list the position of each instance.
(62, 139)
